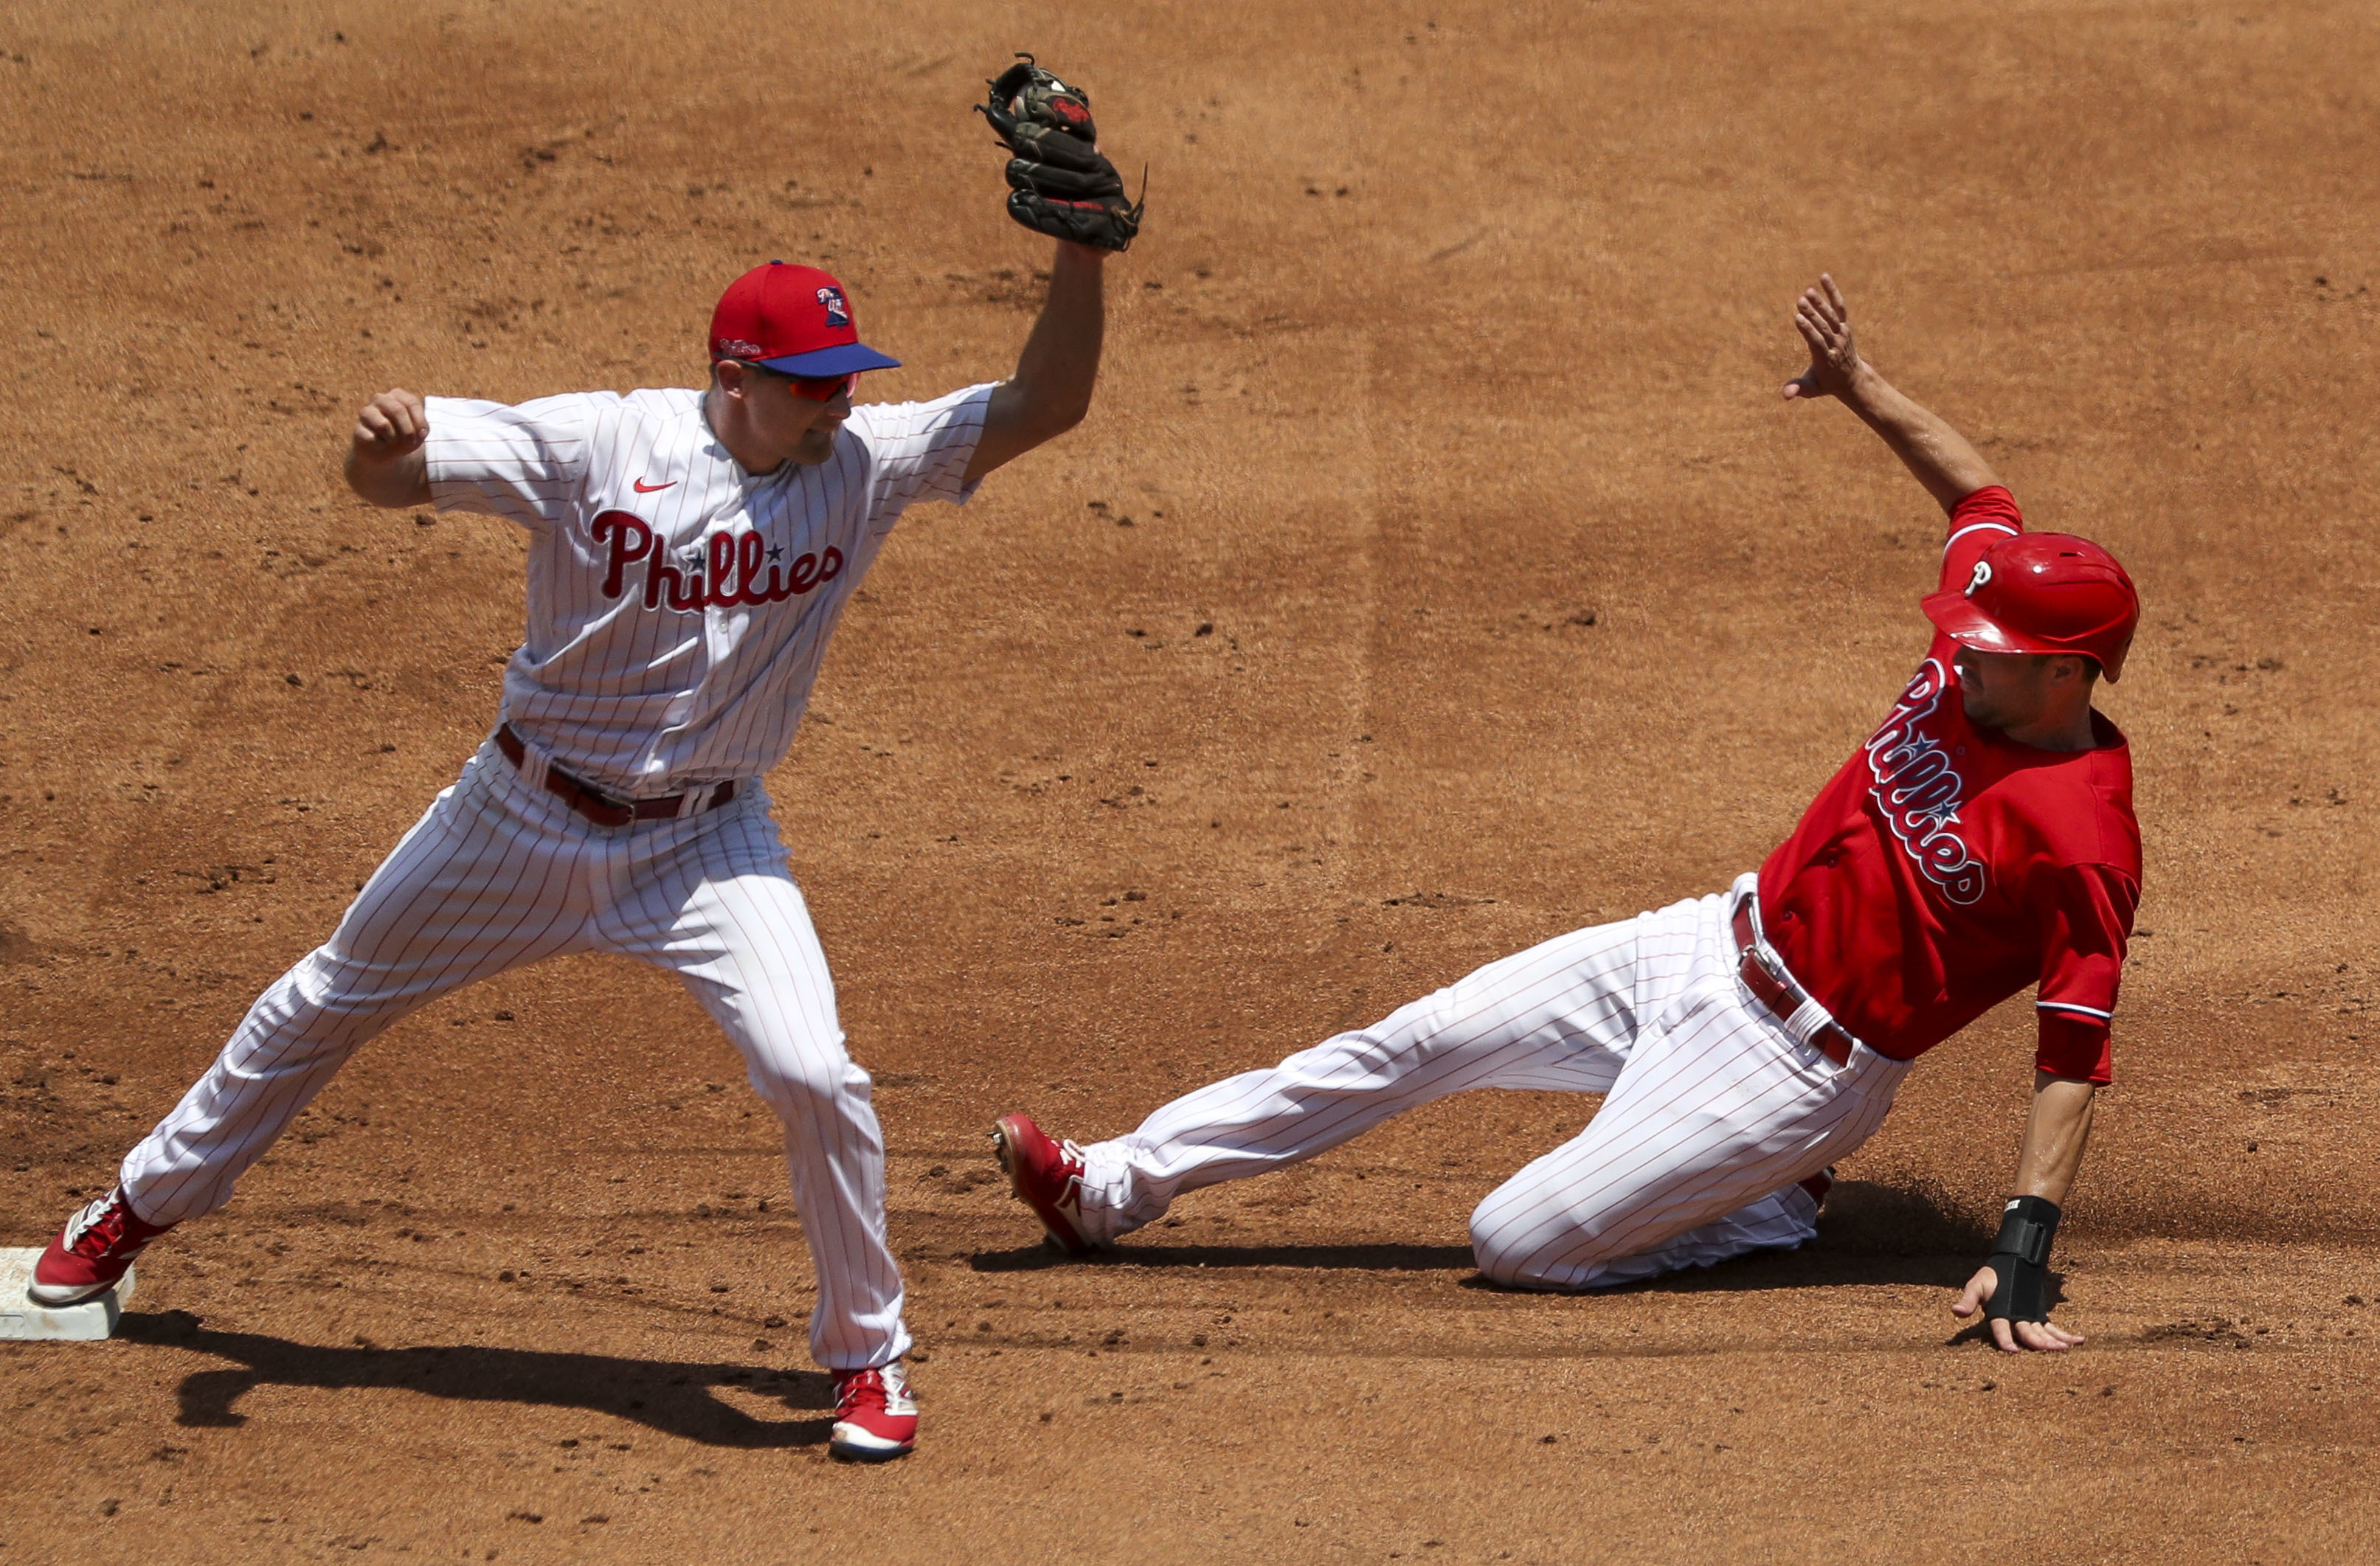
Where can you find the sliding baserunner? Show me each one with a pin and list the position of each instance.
(1982, 840)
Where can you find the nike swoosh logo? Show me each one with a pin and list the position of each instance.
(645, 489)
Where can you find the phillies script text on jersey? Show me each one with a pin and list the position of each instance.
(648, 665)
(497, 874)
(735, 562)
(1916, 788)
(1945, 867)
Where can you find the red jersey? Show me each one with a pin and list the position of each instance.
(1947, 867)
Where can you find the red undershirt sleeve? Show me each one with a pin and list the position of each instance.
(1976, 523)
(2082, 968)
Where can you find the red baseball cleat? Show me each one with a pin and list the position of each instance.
(1046, 1176)
(93, 1253)
(875, 1417)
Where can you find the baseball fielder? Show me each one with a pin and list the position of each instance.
(690, 552)
(1980, 841)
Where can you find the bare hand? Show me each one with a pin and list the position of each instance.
(391, 425)
(1825, 322)
(385, 463)
(2014, 1337)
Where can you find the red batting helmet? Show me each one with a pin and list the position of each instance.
(2043, 592)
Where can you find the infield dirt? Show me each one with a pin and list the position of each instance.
(1439, 571)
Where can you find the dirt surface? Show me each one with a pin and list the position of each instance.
(1477, 585)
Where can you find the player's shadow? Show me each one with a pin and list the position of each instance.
(1867, 1234)
(1320, 1258)
(672, 1397)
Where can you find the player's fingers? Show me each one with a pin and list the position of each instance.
(2042, 1337)
(403, 411)
(394, 422)
(1980, 1288)
(1812, 334)
(1820, 310)
(1828, 330)
(1835, 295)
(2001, 1335)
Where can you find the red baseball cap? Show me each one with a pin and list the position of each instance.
(793, 320)
(2043, 592)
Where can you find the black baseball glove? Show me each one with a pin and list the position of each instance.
(1060, 185)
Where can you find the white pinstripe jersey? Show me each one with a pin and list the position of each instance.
(679, 606)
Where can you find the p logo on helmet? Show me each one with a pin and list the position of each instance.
(2043, 592)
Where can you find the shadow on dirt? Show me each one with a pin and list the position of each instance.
(1353, 1259)
(1862, 1219)
(671, 1397)
(1867, 1234)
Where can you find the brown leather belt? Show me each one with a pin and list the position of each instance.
(1831, 1040)
(602, 808)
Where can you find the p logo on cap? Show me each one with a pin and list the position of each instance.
(793, 320)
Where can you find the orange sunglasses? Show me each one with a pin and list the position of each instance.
(817, 388)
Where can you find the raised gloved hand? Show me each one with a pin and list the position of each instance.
(1058, 182)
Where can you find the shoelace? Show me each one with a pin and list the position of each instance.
(864, 1389)
(1070, 1165)
(104, 1233)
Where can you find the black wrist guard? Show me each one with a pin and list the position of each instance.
(2020, 1259)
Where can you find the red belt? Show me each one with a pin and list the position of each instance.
(600, 807)
(1831, 1040)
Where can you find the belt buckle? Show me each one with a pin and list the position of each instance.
(590, 792)
(1761, 960)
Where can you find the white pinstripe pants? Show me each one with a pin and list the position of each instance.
(1712, 1111)
(499, 873)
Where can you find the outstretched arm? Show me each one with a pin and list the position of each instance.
(384, 459)
(1936, 454)
(2053, 1138)
(1051, 389)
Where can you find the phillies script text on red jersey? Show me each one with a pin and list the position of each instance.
(1945, 868)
